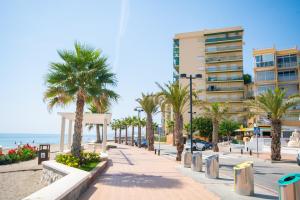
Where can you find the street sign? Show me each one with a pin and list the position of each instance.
(256, 130)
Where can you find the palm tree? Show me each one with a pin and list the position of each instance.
(133, 123)
(114, 126)
(149, 105)
(83, 75)
(119, 125)
(140, 123)
(170, 127)
(177, 96)
(126, 124)
(274, 105)
(102, 105)
(216, 112)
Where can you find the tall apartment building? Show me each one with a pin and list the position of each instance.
(279, 68)
(217, 54)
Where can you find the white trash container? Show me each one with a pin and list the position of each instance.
(197, 162)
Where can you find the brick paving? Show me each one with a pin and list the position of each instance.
(138, 174)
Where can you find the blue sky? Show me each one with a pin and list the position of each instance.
(136, 35)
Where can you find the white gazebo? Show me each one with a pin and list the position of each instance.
(88, 118)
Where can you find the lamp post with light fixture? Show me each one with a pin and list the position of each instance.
(139, 110)
(191, 77)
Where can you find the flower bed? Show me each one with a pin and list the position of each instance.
(23, 153)
(88, 160)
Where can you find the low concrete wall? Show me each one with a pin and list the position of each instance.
(65, 183)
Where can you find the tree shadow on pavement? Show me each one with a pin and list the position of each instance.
(139, 180)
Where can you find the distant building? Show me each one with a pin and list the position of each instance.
(217, 54)
(278, 68)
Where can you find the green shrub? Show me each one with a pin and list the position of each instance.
(23, 153)
(83, 163)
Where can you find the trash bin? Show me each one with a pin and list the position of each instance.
(197, 162)
(187, 159)
(289, 187)
(212, 166)
(43, 153)
(243, 178)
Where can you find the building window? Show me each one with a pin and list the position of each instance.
(287, 76)
(265, 76)
(266, 60)
(287, 61)
(263, 89)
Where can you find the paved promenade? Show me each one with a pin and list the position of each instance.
(138, 174)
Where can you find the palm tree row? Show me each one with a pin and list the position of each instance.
(273, 104)
(124, 124)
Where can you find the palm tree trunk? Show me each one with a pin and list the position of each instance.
(120, 136)
(98, 133)
(126, 129)
(132, 136)
(139, 136)
(76, 145)
(150, 134)
(178, 134)
(101, 133)
(215, 136)
(276, 145)
(116, 141)
(174, 136)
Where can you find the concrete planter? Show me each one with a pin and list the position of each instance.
(65, 183)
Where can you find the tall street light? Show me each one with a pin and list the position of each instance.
(139, 110)
(191, 77)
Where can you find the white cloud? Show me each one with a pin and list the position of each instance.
(125, 10)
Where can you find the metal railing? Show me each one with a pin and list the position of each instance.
(287, 78)
(220, 69)
(265, 64)
(287, 65)
(212, 40)
(223, 59)
(224, 79)
(226, 48)
(214, 88)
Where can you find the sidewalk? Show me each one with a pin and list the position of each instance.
(264, 156)
(138, 174)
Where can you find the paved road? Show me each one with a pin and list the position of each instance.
(266, 173)
(138, 174)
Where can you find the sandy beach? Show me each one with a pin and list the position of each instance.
(18, 180)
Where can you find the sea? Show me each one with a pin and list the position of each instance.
(12, 140)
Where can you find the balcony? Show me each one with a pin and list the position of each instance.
(295, 108)
(287, 65)
(223, 59)
(223, 39)
(265, 64)
(223, 49)
(288, 78)
(226, 99)
(223, 69)
(224, 79)
(213, 88)
(290, 117)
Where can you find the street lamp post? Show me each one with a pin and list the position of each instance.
(191, 77)
(139, 110)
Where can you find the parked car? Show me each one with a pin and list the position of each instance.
(207, 145)
(198, 145)
(298, 158)
(143, 142)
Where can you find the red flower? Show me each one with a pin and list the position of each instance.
(12, 151)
